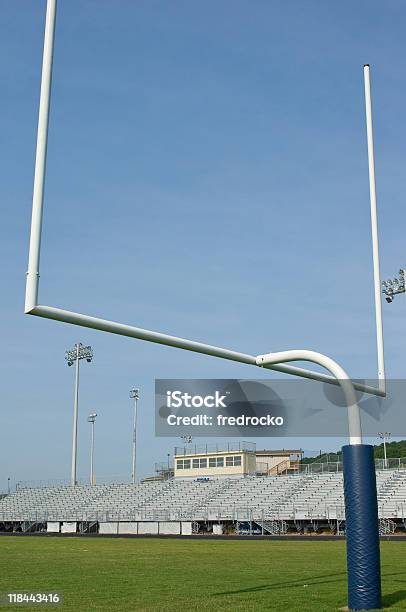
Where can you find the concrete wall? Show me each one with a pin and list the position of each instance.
(128, 527)
(133, 528)
(108, 527)
(69, 527)
(53, 527)
(169, 528)
(186, 528)
(148, 527)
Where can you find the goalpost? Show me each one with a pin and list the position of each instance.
(363, 563)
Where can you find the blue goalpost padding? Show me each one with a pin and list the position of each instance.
(362, 527)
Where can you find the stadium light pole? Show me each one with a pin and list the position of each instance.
(74, 356)
(384, 435)
(135, 395)
(92, 419)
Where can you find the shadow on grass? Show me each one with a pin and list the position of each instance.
(393, 598)
(388, 600)
(314, 580)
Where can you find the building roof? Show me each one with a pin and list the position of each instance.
(279, 453)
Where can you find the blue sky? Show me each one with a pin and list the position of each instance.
(207, 177)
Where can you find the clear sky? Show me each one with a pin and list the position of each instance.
(207, 177)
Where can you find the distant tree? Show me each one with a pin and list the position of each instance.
(393, 450)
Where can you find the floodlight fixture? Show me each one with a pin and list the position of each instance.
(135, 394)
(79, 352)
(394, 286)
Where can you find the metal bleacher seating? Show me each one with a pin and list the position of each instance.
(293, 497)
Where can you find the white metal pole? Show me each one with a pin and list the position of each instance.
(384, 451)
(75, 318)
(75, 418)
(92, 455)
(354, 417)
(31, 294)
(134, 456)
(374, 228)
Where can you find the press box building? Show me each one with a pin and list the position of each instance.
(235, 460)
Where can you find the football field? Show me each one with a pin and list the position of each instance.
(183, 575)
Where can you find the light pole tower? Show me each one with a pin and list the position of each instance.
(135, 395)
(73, 356)
(92, 419)
(384, 435)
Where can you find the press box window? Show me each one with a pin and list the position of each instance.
(216, 461)
(199, 463)
(183, 464)
(233, 461)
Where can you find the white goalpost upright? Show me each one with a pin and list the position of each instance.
(374, 231)
(363, 569)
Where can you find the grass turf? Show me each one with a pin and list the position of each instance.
(168, 575)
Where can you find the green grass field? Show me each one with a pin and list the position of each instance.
(182, 575)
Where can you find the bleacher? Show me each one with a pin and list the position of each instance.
(282, 498)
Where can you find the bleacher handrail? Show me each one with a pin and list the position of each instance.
(392, 463)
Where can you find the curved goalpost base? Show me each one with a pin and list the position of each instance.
(360, 495)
